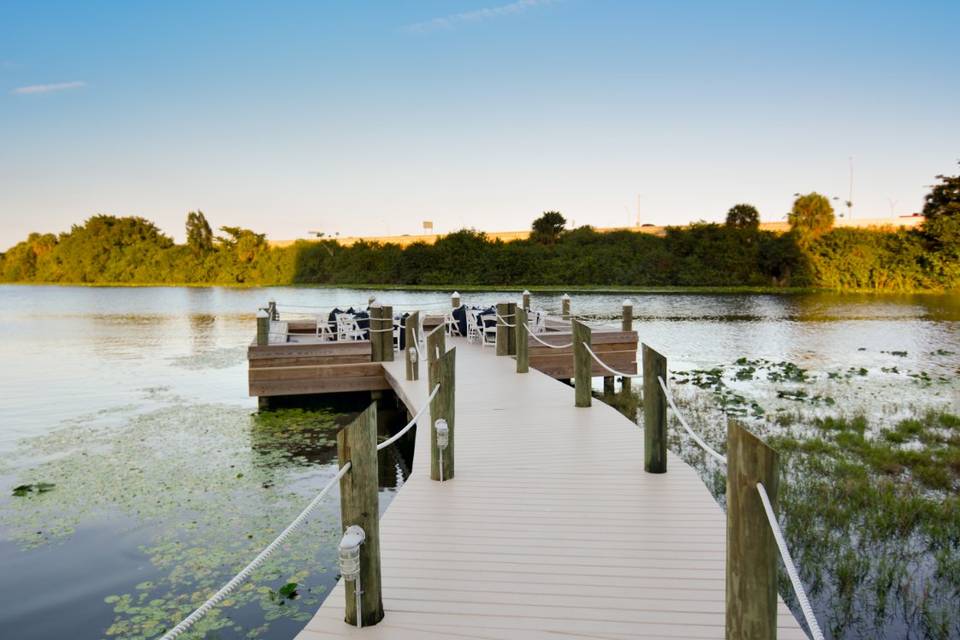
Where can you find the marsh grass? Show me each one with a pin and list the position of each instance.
(870, 500)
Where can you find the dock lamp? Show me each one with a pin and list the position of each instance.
(443, 440)
(412, 355)
(349, 556)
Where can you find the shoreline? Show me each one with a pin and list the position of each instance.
(592, 289)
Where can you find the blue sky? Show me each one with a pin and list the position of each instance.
(369, 117)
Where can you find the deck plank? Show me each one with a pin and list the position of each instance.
(550, 530)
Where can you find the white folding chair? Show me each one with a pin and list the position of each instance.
(348, 328)
(324, 332)
(488, 331)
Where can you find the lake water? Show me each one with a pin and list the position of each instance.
(132, 402)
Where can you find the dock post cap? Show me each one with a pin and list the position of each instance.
(628, 302)
(526, 292)
(455, 294)
(262, 313)
(565, 296)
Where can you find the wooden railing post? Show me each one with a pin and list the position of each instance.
(525, 300)
(411, 337)
(376, 344)
(455, 300)
(263, 328)
(357, 444)
(565, 306)
(582, 364)
(511, 318)
(386, 332)
(523, 344)
(443, 372)
(503, 339)
(627, 325)
(436, 347)
(654, 412)
(751, 547)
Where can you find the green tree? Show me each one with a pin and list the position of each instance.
(199, 234)
(743, 216)
(547, 228)
(942, 211)
(811, 215)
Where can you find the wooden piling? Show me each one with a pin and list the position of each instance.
(751, 547)
(565, 306)
(525, 300)
(357, 444)
(626, 324)
(386, 332)
(442, 372)
(654, 412)
(263, 328)
(511, 318)
(455, 300)
(582, 364)
(376, 344)
(608, 385)
(411, 338)
(436, 345)
(503, 339)
(523, 345)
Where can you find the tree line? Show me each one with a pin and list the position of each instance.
(131, 250)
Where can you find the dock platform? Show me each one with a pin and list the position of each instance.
(551, 528)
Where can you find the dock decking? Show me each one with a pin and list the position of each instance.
(550, 529)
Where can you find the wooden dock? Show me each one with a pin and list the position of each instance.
(550, 529)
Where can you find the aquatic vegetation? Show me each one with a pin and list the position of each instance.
(23, 490)
(215, 484)
(870, 505)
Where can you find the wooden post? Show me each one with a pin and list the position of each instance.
(411, 336)
(386, 333)
(511, 318)
(272, 310)
(370, 300)
(582, 364)
(523, 346)
(654, 412)
(627, 325)
(565, 306)
(442, 372)
(503, 340)
(357, 444)
(455, 300)
(525, 297)
(376, 344)
(751, 547)
(608, 388)
(263, 328)
(436, 346)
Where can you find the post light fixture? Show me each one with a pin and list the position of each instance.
(443, 434)
(349, 556)
(443, 440)
(412, 355)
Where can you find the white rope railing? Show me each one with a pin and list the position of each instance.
(242, 577)
(607, 367)
(504, 322)
(546, 344)
(683, 422)
(413, 421)
(791, 568)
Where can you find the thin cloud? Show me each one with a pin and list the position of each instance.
(478, 15)
(48, 88)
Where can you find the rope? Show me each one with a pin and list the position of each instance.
(504, 322)
(683, 422)
(604, 365)
(399, 434)
(791, 569)
(546, 344)
(242, 577)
